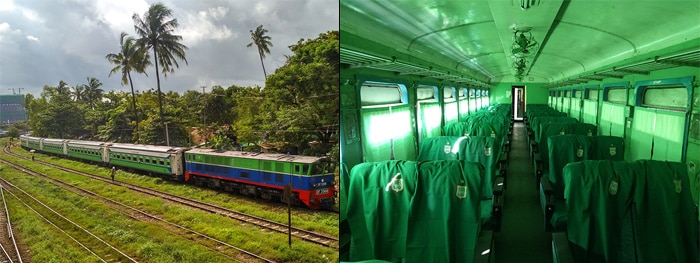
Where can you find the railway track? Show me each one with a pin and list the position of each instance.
(214, 244)
(8, 245)
(308, 236)
(96, 246)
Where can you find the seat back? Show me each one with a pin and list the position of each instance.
(607, 200)
(379, 199)
(608, 148)
(445, 212)
(562, 150)
(666, 226)
(480, 149)
(440, 199)
(599, 196)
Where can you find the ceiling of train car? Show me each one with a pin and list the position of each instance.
(477, 37)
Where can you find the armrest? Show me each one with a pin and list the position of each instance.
(498, 188)
(537, 159)
(561, 250)
(547, 187)
(483, 252)
(547, 202)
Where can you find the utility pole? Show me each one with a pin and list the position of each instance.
(19, 91)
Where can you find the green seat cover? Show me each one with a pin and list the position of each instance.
(445, 213)
(599, 196)
(666, 225)
(565, 149)
(379, 200)
(608, 148)
(457, 129)
(586, 129)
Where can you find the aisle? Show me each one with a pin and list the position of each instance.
(522, 237)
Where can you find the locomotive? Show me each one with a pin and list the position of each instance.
(262, 175)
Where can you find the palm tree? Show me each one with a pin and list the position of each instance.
(262, 42)
(156, 31)
(62, 88)
(130, 57)
(93, 93)
(79, 93)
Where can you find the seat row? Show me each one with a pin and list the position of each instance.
(619, 211)
(408, 211)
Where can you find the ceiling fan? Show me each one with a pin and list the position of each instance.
(523, 43)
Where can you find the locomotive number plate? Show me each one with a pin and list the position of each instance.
(322, 191)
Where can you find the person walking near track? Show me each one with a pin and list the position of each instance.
(114, 170)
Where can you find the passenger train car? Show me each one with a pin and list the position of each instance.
(254, 174)
(597, 100)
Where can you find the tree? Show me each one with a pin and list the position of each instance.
(263, 43)
(156, 31)
(93, 93)
(62, 88)
(79, 92)
(302, 104)
(130, 57)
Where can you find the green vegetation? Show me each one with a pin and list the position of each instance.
(125, 231)
(298, 108)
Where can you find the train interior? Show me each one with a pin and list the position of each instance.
(583, 118)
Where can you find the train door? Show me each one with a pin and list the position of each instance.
(518, 102)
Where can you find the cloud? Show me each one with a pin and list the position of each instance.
(205, 25)
(75, 36)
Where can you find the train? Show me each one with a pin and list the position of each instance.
(263, 175)
(597, 102)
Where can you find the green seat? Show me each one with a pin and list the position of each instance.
(599, 197)
(457, 129)
(379, 200)
(445, 212)
(666, 224)
(479, 149)
(608, 148)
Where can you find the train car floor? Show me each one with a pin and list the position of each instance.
(522, 237)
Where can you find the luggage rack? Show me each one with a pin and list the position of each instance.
(690, 58)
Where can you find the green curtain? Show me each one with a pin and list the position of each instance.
(472, 105)
(668, 138)
(575, 109)
(641, 134)
(463, 109)
(612, 120)
(430, 118)
(381, 126)
(590, 111)
(566, 106)
(451, 113)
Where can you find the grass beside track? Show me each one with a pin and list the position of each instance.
(265, 243)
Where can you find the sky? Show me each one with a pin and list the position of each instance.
(45, 41)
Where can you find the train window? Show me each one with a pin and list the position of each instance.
(296, 168)
(161, 162)
(305, 169)
(670, 96)
(426, 93)
(372, 93)
(244, 174)
(448, 93)
(593, 94)
(617, 95)
(577, 94)
(267, 166)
